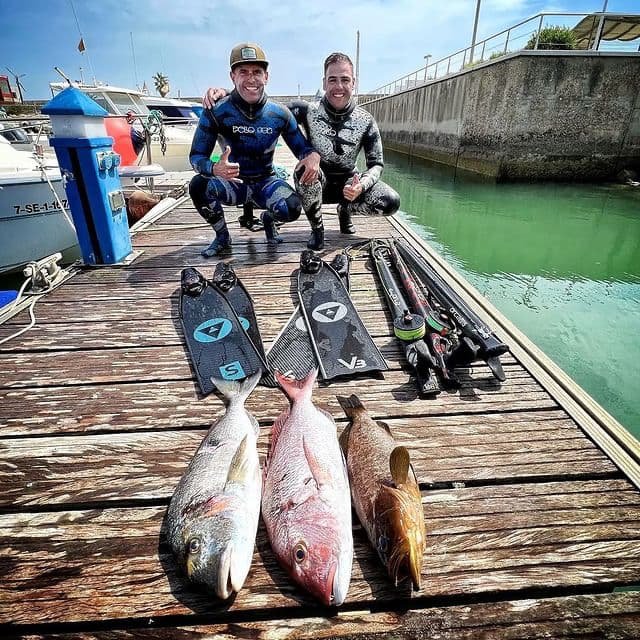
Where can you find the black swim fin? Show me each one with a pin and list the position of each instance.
(291, 352)
(340, 341)
(217, 343)
(225, 280)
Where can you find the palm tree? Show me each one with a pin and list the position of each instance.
(161, 83)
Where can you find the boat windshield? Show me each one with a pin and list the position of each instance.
(172, 111)
(117, 103)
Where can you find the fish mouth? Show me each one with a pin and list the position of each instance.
(406, 561)
(233, 568)
(329, 595)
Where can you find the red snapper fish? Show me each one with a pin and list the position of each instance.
(306, 505)
(385, 492)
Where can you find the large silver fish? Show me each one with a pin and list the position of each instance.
(213, 515)
(306, 505)
(385, 492)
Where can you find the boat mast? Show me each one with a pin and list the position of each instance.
(82, 46)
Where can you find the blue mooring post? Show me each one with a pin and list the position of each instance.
(90, 166)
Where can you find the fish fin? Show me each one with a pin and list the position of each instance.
(254, 424)
(344, 439)
(277, 427)
(239, 467)
(275, 434)
(384, 425)
(236, 391)
(351, 404)
(320, 476)
(297, 390)
(399, 465)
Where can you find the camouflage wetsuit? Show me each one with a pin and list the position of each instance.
(338, 136)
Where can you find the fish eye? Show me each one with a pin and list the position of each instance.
(383, 544)
(194, 545)
(300, 552)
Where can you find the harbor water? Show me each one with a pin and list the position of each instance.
(561, 261)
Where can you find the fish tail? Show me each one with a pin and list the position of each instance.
(350, 405)
(236, 390)
(297, 390)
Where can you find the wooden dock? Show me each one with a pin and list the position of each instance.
(532, 509)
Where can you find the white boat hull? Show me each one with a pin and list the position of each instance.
(32, 224)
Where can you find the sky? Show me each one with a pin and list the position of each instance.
(128, 41)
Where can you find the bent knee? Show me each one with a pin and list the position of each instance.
(198, 190)
(390, 203)
(288, 209)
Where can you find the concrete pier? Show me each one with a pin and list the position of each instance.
(529, 115)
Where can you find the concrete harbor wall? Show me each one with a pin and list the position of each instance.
(530, 115)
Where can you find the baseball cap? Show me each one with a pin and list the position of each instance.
(247, 52)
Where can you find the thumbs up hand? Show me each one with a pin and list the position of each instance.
(352, 190)
(225, 169)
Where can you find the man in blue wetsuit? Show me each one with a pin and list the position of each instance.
(339, 130)
(249, 126)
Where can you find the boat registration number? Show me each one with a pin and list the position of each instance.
(38, 207)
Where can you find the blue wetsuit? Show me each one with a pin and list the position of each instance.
(252, 132)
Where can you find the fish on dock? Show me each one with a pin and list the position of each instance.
(306, 506)
(213, 515)
(385, 492)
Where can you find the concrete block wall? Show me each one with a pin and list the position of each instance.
(533, 115)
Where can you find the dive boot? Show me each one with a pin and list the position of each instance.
(221, 244)
(316, 239)
(270, 229)
(344, 216)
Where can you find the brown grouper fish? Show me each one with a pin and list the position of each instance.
(306, 505)
(213, 515)
(385, 492)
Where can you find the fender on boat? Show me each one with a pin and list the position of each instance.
(120, 130)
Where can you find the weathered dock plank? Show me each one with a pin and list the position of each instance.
(530, 525)
(126, 466)
(605, 616)
(93, 560)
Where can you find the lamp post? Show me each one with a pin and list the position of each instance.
(426, 64)
(475, 29)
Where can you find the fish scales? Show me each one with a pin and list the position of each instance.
(306, 503)
(213, 515)
(385, 492)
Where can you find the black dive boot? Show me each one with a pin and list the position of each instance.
(316, 239)
(344, 216)
(222, 241)
(270, 229)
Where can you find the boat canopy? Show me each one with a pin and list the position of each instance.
(615, 26)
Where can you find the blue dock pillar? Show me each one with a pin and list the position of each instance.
(90, 167)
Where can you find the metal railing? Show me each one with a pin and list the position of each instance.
(515, 38)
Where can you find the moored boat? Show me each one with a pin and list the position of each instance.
(34, 221)
(119, 101)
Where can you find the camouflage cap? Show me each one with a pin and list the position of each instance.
(247, 52)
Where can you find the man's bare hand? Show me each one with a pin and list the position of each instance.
(212, 95)
(311, 164)
(352, 190)
(225, 169)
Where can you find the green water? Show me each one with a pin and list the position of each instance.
(561, 261)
